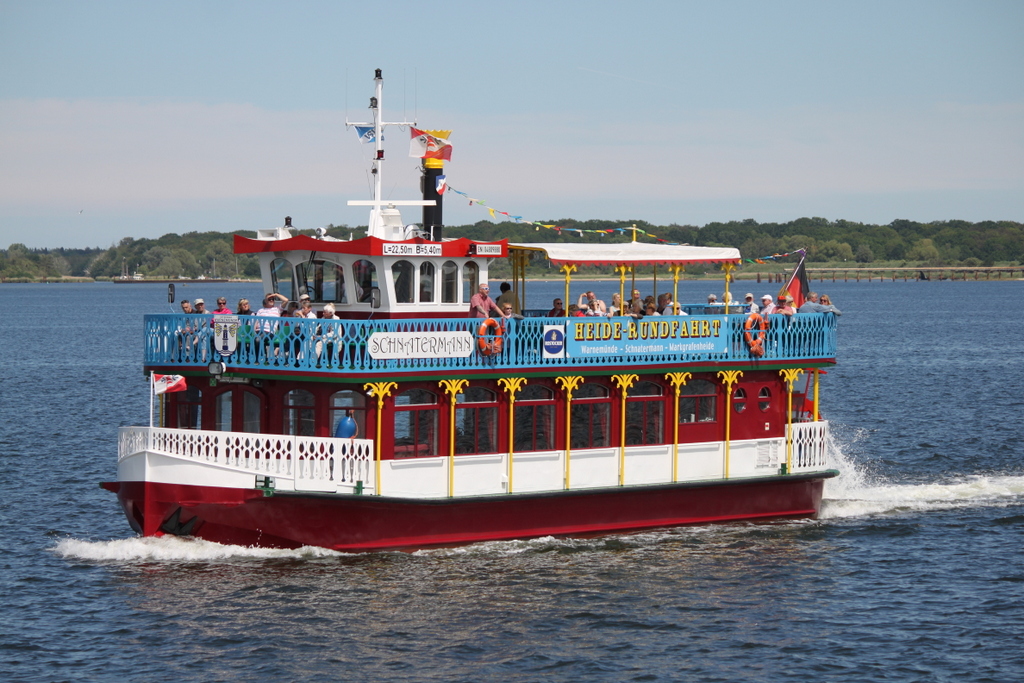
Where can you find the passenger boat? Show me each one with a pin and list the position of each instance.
(462, 429)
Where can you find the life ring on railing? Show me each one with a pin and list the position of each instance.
(755, 342)
(489, 337)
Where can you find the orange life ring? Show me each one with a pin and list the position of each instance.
(756, 343)
(489, 337)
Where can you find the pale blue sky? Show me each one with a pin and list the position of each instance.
(143, 118)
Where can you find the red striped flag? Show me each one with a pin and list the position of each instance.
(165, 384)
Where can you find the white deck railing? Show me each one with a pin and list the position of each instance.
(313, 463)
(810, 446)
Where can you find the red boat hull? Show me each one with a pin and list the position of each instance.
(362, 523)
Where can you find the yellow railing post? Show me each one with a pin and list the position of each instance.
(624, 382)
(452, 387)
(568, 385)
(379, 391)
(678, 380)
(622, 269)
(677, 270)
(511, 385)
(817, 414)
(789, 375)
(729, 377)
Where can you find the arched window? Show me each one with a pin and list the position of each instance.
(739, 400)
(470, 280)
(645, 414)
(344, 401)
(416, 419)
(222, 412)
(476, 421)
(282, 278)
(764, 399)
(591, 416)
(535, 419)
(697, 402)
(365, 276)
(324, 281)
(299, 415)
(450, 283)
(427, 282)
(238, 410)
(402, 276)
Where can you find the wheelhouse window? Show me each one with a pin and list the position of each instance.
(402, 277)
(416, 420)
(348, 403)
(450, 283)
(645, 414)
(470, 280)
(299, 414)
(365, 276)
(476, 421)
(535, 419)
(282, 278)
(697, 402)
(427, 282)
(189, 407)
(323, 281)
(591, 416)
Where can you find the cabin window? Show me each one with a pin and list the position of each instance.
(365, 275)
(591, 416)
(739, 400)
(764, 399)
(476, 421)
(282, 278)
(416, 420)
(470, 280)
(697, 401)
(645, 414)
(535, 419)
(402, 276)
(450, 283)
(427, 282)
(299, 415)
(222, 412)
(344, 401)
(189, 405)
(226, 415)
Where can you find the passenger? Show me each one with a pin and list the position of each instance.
(748, 304)
(665, 304)
(222, 307)
(636, 303)
(651, 309)
(481, 304)
(712, 307)
(767, 305)
(291, 310)
(616, 307)
(812, 306)
(186, 306)
(508, 297)
(328, 335)
(307, 308)
(199, 307)
(574, 311)
(347, 427)
(824, 300)
(596, 306)
(243, 308)
(557, 311)
(582, 310)
(785, 306)
(678, 310)
(509, 313)
(270, 309)
(329, 313)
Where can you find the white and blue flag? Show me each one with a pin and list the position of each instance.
(366, 133)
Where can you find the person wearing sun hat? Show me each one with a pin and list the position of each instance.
(767, 304)
(748, 303)
(199, 306)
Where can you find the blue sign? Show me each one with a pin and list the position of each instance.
(651, 335)
(554, 341)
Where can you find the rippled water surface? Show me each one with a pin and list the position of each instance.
(913, 573)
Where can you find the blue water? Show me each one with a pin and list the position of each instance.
(913, 573)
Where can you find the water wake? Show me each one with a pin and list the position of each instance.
(175, 549)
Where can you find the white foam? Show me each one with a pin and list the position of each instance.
(175, 549)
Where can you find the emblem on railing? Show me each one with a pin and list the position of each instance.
(225, 334)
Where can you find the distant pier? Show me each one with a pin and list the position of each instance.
(879, 274)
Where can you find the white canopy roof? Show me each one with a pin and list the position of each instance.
(632, 253)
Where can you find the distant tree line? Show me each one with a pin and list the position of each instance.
(939, 243)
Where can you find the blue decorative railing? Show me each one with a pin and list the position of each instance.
(341, 345)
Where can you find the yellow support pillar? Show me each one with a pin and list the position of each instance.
(678, 381)
(379, 391)
(677, 270)
(568, 269)
(622, 269)
(729, 377)
(624, 382)
(727, 267)
(568, 385)
(789, 375)
(817, 415)
(511, 385)
(452, 387)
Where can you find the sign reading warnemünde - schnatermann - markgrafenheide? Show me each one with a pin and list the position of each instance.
(654, 334)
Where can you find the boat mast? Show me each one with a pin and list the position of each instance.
(375, 227)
